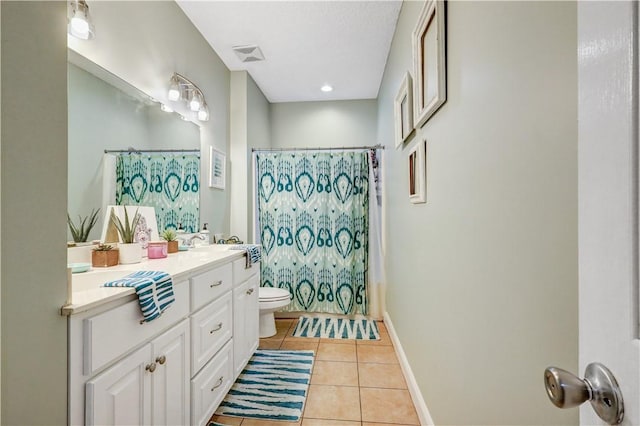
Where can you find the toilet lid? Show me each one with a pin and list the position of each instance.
(270, 293)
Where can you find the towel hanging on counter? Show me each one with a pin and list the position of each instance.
(254, 254)
(154, 290)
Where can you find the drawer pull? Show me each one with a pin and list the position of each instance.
(250, 291)
(161, 359)
(220, 380)
(218, 327)
(151, 367)
(216, 284)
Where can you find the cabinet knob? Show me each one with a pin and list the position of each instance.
(161, 359)
(218, 327)
(151, 367)
(217, 385)
(216, 284)
(250, 291)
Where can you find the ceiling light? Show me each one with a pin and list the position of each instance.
(80, 24)
(166, 108)
(183, 89)
(326, 88)
(203, 113)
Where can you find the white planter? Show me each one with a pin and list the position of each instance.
(130, 253)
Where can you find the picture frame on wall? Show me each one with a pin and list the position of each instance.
(403, 110)
(217, 168)
(429, 62)
(417, 167)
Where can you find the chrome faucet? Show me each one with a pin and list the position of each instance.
(189, 241)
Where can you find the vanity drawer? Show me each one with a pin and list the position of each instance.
(210, 285)
(211, 328)
(210, 386)
(240, 271)
(114, 332)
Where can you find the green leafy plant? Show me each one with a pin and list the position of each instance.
(169, 235)
(127, 230)
(103, 247)
(80, 232)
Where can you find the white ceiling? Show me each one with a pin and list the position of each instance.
(306, 43)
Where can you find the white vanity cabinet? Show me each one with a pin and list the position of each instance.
(148, 387)
(245, 313)
(174, 370)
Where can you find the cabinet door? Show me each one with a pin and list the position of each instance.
(170, 380)
(245, 322)
(121, 395)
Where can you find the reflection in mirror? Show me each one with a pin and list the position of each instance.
(106, 113)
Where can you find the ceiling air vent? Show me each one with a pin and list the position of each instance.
(249, 53)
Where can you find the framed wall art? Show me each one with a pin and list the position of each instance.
(403, 110)
(217, 168)
(429, 61)
(417, 164)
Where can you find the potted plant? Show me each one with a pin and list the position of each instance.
(104, 255)
(171, 237)
(130, 250)
(80, 232)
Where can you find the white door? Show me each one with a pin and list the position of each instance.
(170, 380)
(608, 197)
(121, 395)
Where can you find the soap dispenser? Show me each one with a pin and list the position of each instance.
(205, 233)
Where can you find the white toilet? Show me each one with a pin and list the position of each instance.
(271, 300)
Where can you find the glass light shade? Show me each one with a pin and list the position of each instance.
(80, 25)
(174, 94)
(194, 103)
(174, 89)
(203, 113)
(166, 108)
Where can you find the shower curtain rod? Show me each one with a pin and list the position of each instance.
(344, 148)
(140, 151)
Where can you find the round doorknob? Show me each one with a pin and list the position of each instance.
(599, 386)
(565, 390)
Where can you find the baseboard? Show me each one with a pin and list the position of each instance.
(421, 407)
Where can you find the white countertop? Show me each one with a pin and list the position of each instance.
(87, 293)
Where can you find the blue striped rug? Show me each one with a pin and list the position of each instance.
(273, 386)
(337, 328)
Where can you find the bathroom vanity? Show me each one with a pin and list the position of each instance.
(175, 369)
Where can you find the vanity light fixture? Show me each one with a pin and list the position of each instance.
(326, 88)
(183, 89)
(80, 24)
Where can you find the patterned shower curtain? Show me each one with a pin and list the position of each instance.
(168, 182)
(313, 218)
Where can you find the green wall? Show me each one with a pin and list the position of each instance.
(482, 279)
(33, 210)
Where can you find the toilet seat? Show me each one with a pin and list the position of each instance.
(270, 294)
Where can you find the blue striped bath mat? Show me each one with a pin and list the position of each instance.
(337, 328)
(273, 386)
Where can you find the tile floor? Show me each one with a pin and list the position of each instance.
(354, 382)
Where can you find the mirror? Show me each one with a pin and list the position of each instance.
(106, 113)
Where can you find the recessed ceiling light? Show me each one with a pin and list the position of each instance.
(326, 88)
